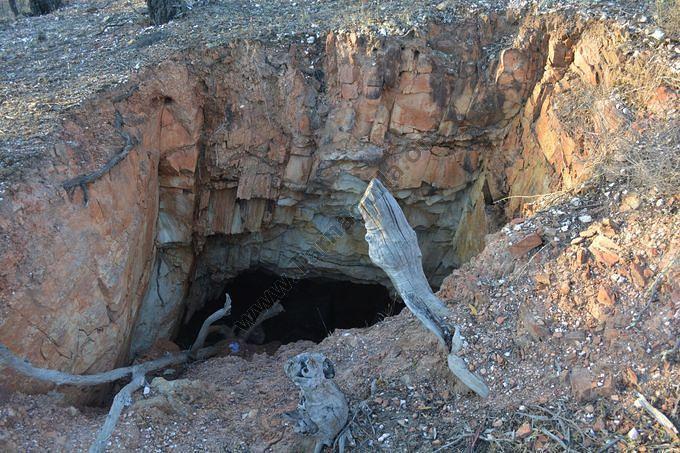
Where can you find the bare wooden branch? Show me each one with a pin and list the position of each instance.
(393, 246)
(138, 373)
(61, 378)
(660, 418)
(83, 180)
(205, 328)
(123, 398)
(459, 368)
(264, 315)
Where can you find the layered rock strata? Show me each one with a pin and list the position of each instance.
(255, 155)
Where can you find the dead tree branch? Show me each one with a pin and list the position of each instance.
(264, 315)
(205, 328)
(660, 418)
(393, 246)
(83, 180)
(85, 380)
(138, 373)
(123, 398)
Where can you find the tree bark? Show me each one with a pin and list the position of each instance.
(163, 11)
(40, 7)
(13, 7)
(393, 246)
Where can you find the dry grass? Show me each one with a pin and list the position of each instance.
(575, 106)
(647, 155)
(667, 13)
(638, 79)
(633, 82)
(648, 159)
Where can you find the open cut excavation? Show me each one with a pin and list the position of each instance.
(450, 226)
(392, 246)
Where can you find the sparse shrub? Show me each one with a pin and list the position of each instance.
(640, 77)
(645, 152)
(668, 15)
(648, 159)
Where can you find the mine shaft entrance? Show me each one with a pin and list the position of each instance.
(312, 309)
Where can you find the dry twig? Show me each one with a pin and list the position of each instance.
(205, 328)
(660, 418)
(264, 315)
(83, 180)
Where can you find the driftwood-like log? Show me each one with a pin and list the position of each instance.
(138, 373)
(60, 378)
(123, 398)
(323, 412)
(85, 380)
(393, 246)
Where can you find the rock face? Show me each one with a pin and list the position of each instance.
(550, 141)
(255, 156)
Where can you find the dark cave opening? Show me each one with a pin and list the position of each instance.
(313, 308)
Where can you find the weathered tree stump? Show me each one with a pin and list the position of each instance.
(40, 7)
(393, 246)
(323, 411)
(163, 11)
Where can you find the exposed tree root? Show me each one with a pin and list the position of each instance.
(660, 418)
(138, 373)
(205, 328)
(123, 398)
(83, 180)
